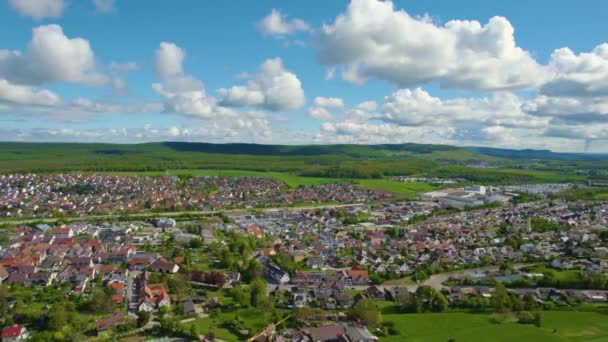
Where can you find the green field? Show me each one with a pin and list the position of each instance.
(556, 326)
(565, 276)
(401, 188)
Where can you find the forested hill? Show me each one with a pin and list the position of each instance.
(344, 161)
(536, 154)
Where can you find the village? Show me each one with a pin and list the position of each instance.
(330, 259)
(36, 195)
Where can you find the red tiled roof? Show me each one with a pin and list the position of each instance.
(12, 331)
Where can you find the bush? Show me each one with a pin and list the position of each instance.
(526, 317)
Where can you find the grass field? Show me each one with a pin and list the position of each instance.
(556, 326)
(567, 276)
(253, 319)
(400, 188)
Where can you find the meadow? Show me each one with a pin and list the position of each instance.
(556, 326)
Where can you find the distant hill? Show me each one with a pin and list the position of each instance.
(477, 164)
(536, 154)
(305, 150)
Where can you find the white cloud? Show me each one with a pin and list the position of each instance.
(38, 9)
(273, 88)
(319, 113)
(569, 109)
(173, 131)
(585, 74)
(418, 108)
(104, 6)
(348, 132)
(25, 95)
(119, 71)
(369, 106)
(329, 102)
(277, 24)
(51, 57)
(168, 60)
(374, 40)
(582, 132)
(183, 93)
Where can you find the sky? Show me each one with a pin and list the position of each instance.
(511, 74)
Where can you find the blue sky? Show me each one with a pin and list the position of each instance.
(407, 71)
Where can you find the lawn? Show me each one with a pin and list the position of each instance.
(401, 281)
(401, 188)
(556, 326)
(566, 276)
(252, 319)
(206, 325)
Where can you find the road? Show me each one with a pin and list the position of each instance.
(169, 214)
(436, 280)
(132, 293)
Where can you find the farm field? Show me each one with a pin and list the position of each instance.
(556, 326)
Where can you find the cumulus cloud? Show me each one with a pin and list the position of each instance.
(348, 132)
(569, 109)
(277, 24)
(25, 95)
(168, 60)
(585, 74)
(104, 6)
(183, 93)
(585, 132)
(38, 9)
(273, 88)
(51, 57)
(417, 107)
(319, 113)
(374, 40)
(250, 127)
(328, 102)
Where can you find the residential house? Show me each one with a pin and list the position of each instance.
(188, 307)
(111, 322)
(373, 292)
(62, 233)
(162, 265)
(326, 333)
(14, 333)
(358, 276)
(151, 296)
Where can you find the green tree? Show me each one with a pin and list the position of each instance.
(143, 317)
(367, 312)
(58, 317)
(500, 298)
(196, 243)
(253, 271)
(258, 292)
(439, 303)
